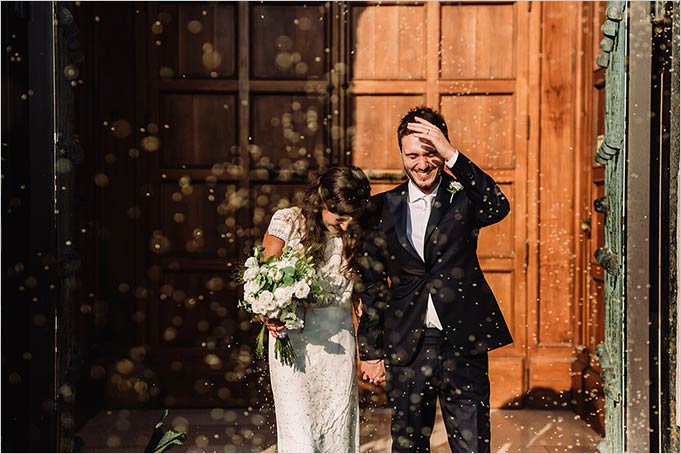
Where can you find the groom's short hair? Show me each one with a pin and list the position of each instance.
(427, 114)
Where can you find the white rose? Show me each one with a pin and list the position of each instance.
(249, 297)
(251, 262)
(250, 274)
(302, 290)
(251, 286)
(266, 297)
(272, 305)
(283, 294)
(259, 307)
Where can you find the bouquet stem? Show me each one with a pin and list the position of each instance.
(283, 349)
(260, 343)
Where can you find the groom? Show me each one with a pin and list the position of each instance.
(429, 317)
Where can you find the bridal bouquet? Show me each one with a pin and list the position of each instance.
(275, 287)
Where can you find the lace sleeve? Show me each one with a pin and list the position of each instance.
(282, 224)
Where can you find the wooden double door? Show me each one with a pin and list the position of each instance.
(245, 100)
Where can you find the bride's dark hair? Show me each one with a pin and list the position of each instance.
(344, 191)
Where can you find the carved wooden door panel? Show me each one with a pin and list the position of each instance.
(470, 61)
(239, 108)
(587, 387)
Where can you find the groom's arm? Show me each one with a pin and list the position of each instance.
(490, 204)
(370, 330)
(373, 288)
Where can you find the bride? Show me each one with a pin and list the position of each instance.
(315, 399)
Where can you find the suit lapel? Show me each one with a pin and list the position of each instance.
(440, 206)
(398, 209)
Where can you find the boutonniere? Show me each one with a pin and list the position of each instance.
(453, 188)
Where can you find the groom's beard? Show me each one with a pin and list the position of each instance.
(425, 182)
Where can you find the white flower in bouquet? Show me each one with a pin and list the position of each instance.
(292, 321)
(266, 297)
(275, 274)
(251, 287)
(283, 295)
(259, 307)
(250, 274)
(302, 289)
(284, 262)
(272, 308)
(252, 262)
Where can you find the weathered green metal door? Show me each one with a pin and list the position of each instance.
(611, 153)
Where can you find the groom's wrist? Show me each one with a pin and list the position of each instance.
(451, 161)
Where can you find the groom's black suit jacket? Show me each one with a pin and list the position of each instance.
(396, 281)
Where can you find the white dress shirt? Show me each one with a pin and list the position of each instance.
(419, 206)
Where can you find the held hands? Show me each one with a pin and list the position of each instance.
(431, 136)
(373, 372)
(274, 326)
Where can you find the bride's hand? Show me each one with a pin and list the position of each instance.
(273, 325)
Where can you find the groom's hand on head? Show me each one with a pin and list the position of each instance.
(373, 371)
(432, 137)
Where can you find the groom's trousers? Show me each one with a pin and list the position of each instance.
(459, 382)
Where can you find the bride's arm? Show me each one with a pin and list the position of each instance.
(273, 246)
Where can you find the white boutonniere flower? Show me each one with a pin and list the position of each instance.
(453, 188)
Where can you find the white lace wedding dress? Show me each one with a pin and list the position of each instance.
(315, 400)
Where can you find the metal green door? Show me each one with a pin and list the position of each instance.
(611, 154)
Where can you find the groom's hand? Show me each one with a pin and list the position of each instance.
(431, 136)
(373, 372)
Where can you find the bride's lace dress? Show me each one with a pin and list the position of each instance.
(316, 400)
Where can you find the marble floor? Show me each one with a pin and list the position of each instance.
(220, 430)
